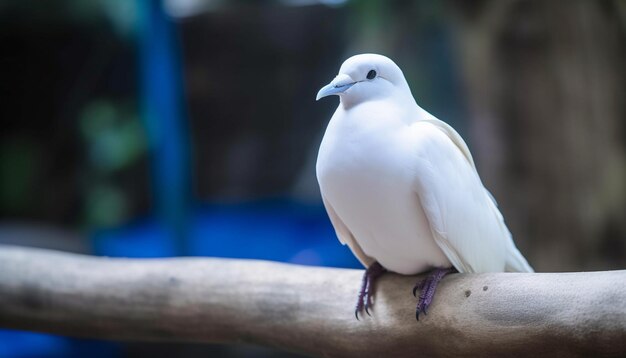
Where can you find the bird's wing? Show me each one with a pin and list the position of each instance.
(459, 142)
(454, 137)
(515, 261)
(460, 212)
(345, 236)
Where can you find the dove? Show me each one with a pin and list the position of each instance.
(401, 188)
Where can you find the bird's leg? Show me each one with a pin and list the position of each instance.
(375, 271)
(367, 288)
(428, 287)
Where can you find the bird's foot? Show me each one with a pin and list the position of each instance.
(428, 286)
(364, 301)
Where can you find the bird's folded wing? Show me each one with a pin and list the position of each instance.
(453, 136)
(345, 236)
(459, 142)
(458, 208)
(515, 261)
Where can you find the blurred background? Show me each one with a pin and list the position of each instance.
(144, 128)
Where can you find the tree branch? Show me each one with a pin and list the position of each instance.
(310, 309)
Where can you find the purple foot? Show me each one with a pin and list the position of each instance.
(428, 287)
(367, 288)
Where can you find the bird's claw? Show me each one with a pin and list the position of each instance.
(419, 310)
(360, 308)
(418, 286)
(428, 287)
(364, 301)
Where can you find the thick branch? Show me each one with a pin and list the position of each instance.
(310, 309)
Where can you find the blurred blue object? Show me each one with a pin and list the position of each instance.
(146, 237)
(164, 117)
(274, 229)
(18, 344)
(28, 344)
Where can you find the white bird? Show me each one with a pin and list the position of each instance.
(400, 186)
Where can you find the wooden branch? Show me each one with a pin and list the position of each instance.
(310, 309)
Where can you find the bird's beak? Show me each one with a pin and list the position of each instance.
(340, 84)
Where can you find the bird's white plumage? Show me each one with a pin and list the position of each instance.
(400, 186)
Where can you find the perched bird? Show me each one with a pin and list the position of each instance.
(401, 188)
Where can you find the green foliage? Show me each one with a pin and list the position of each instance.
(114, 136)
(115, 141)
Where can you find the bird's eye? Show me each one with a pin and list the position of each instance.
(371, 74)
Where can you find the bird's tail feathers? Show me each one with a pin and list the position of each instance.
(515, 262)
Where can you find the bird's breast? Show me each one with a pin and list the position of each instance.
(367, 175)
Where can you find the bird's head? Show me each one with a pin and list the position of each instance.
(366, 77)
